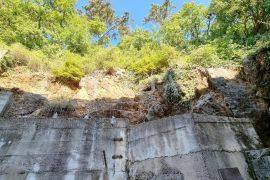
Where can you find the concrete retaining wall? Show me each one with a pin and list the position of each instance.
(195, 146)
(62, 149)
(190, 147)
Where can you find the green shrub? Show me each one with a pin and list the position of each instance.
(105, 59)
(71, 70)
(53, 50)
(263, 41)
(228, 50)
(204, 55)
(5, 63)
(21, 56)
(59, 106)
(153, 61)
(3, 45)
(172, 89)
(136, 40)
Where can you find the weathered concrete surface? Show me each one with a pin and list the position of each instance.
(190, 147)
(259, 161)
(62, 149)
(5, 100)
(193, 146)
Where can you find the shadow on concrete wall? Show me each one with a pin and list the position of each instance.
(230, 97)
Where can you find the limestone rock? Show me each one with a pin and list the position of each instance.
(99, 86)
(82, 94)
(213, 104)
(156, 111)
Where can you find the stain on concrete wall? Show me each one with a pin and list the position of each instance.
(61, 149)
(195, 145)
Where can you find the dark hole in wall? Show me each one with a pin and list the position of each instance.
(117, 157)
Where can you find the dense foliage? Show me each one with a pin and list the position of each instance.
(71, 70)
(43, 34)
(172, 89)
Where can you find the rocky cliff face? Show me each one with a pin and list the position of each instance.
(228, 95)
(256, 70)
(99, 95)
(234, 93)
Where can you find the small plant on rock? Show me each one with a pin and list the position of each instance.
(5, 63)
(172, 89)
(61, 107)
(71, 71)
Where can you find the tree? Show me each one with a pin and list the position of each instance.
(14, 22)
(187, 25)
(193, 20)
(136, 40)
(240, 19)
(102, 10)
(172, 89)
(39, 23)
(159, 13)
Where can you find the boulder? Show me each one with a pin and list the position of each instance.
(155, 111)
(212, 103)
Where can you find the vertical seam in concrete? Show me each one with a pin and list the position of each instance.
(200, 146)
(127, 151)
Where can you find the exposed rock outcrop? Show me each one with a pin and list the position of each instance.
(147, 105)
(212, 103)
(156, 111)
(227, 95)
(235, 93)
(256, 70)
